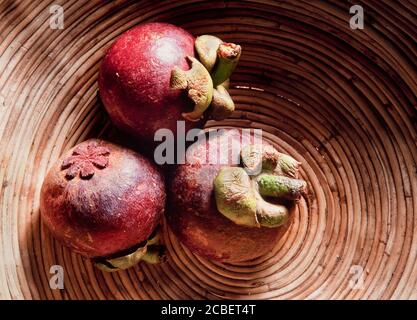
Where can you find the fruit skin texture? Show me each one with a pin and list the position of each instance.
(135, 76)
(192, 211)
(112, 210)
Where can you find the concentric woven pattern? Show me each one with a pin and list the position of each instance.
(341, 101)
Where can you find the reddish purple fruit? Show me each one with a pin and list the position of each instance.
(157, 74)
(104, 201)
(135, 74)
(227, 236)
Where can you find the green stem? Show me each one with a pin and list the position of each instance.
(281, 187)
(228, 55)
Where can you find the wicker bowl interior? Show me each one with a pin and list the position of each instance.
(342, 101)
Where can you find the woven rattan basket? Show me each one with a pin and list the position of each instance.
(342, 101)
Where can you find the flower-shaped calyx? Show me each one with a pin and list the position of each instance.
(266, 173)
(85, 159)
(207, 80)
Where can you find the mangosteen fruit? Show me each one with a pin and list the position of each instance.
(229, 199)
(157, 74)
(105, 202)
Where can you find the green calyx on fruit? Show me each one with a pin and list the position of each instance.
(218, 59)
(198, 83)
(235, 196)
(238, 199)
(240, 192)
(151, 252)
(222, 104)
